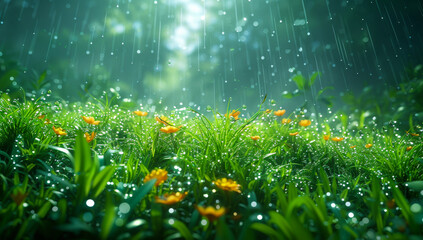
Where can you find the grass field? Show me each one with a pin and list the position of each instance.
(96, 170)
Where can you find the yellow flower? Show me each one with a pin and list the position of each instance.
(169, 129)
(409, 148)
(210, 212)
(304, 123)
(294, 133)
(59, 131)
(140, 113)
(89, 137)
(286, 121)
(255, 138)
(169, 199)
(90, 120)
(337, 139)
(326, 137)
(227, 185)
(234, 114)
(279, 113)
(369, 145)
(413, 134)
(159, 174)
(268, 111)
(163, 120)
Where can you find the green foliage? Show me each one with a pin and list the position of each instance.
(292, 186)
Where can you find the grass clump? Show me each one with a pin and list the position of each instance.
(116, 173)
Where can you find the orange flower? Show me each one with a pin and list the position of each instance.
(286, 121)
(337, 139)
(409, 148)
(279, 113)
(369, 145)
(413, 134)
(59, 131)
(210, 212)
(326, 137)
(163, 120)
(169, 129)
(89, 137)
(41, 116)
(140, 113)
(90, 120)
(353, 146)
(159, 174)
(255, 138)
(227, 185)
(304, 123)
(169, 199)
(294, 133)
(234, 114)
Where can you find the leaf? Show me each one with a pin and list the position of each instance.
(223, 232)
(109, 217)
(300, 81)
(313, 78)
(101, 179)
(181, 227)
(415, 185)
(265, 229)
(287, 95)
(83, 166)
(44, 209)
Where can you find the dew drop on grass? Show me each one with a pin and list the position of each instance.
(90, 203)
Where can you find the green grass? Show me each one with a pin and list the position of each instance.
(292, 187)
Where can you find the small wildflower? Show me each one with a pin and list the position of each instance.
(279, 113)
(286, 121)
(413, 134)
(59, 131)
(304, 123)
(227, 185)
(234, 114)
(160, 175)
(326, 137)
(47, 121)
(409, 148)
(210, 212)
(89, 137)
(140, 113)
(369, 145)
(90, 120)
(255, 138)
(172, 198)
(268, 111)
(163, 120)
(169, 129)
(294, 133)
(41, 116)
(337, 139)
(353, 146)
